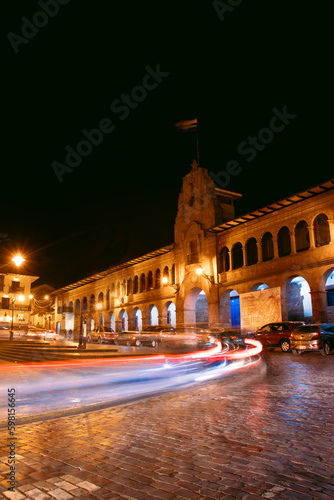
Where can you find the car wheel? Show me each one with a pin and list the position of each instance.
(128, 343)
(326, 349)
(137, 343)
(154, 343)
(296, 351)
(89, 340)
(285, 345)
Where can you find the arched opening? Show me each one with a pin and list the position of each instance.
(111, 320)
(196, 311)
(251, 252)
(157, 278)
(237, 256)
(135, 284)
(235, 309)
(224, 260)
(84, 305)
(108, 299)
(150, 281)
(142, 283)
(259, 286)
(229, 309)
(69, 322)
(165, 275)
(171, 314)
(302, 236)
(77, 308)
(267, 247)
(321, 230)
(92, 304)
(299, 301)
(152, 315)
(129, 286)
(136, 319)
(284, 242)
(329, 287)
(122, 323)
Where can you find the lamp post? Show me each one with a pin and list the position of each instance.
(17, 259)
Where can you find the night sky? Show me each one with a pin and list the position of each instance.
(234, 65)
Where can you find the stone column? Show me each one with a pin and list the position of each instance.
(319, 307)
(293, 243)
(311, 236)
(331, 229)
(275, 247)
(259, 251)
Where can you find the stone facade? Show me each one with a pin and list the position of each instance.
(216, 257)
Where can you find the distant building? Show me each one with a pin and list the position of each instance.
(42, 306)
(15, 297)
(275, 262)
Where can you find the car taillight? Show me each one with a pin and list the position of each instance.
(316, 334)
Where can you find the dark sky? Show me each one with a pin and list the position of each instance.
(231, 66)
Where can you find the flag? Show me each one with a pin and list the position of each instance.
(187, 125)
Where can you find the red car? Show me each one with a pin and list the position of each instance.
(277, 334)
(102, 334)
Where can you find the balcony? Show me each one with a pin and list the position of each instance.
(192, 258)
(16, 289)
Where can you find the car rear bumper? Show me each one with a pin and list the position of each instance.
(305, 346)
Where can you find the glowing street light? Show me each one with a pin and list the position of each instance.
(18, 259)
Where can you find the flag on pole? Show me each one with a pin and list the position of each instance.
(187, 125)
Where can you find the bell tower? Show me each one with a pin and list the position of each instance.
(201, 202)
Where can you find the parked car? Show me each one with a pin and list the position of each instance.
(277, 334)
(319, 336)
(102, 334)
(41, 333)
(231, 339)
(129, 338)
(153, 335)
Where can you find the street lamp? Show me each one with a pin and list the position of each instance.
(18, 259)
(21, 299)
(200, 272)
(174, 285)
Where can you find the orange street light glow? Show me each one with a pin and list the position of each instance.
(18, 259)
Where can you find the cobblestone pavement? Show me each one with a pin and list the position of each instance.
(252, 435)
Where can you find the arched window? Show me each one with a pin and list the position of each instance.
(165, 273)
(77, 306)
(129, 286)
(84, 305)
(135, 284)
(108, 300)
(157, 278)
(321, 230)
(237, 256)
(302, 236)
(267, 247)
(224, 260)
(251, 252)
(92, 304)
(283, 242)
(150, 281)
(142, 283)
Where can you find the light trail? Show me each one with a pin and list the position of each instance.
(54, 386)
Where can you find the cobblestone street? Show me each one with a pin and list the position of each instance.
(258, 434)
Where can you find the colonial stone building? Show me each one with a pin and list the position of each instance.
(270, 264)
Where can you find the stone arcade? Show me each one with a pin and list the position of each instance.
(215, 259)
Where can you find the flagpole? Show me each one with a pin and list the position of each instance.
(197, 145)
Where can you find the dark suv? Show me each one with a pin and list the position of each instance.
(277, 334)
